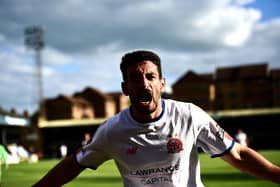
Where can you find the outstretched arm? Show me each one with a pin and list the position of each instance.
(63, 172)
(251, 162)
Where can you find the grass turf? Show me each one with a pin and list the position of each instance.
(215, 173)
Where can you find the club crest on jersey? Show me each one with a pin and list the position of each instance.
(174, 145)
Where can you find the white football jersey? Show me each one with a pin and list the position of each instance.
(162, 152)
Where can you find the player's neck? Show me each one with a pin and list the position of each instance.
(151, 117)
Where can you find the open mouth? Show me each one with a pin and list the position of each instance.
(146, 97)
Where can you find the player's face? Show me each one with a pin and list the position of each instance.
(144, 87)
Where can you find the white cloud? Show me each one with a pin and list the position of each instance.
(243, 2)
(86, 39)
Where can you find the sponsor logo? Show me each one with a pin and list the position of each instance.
(174, 145)
(156, 175)
(156, 180)
(220, 133)
(154, 171)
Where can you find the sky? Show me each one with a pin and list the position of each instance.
(85, 40)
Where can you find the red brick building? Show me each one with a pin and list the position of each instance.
(65, 107)
(121, 100)
(89, 103)
(103, 104)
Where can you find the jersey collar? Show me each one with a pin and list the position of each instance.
(152, 120)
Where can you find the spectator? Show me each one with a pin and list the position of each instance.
(241, 137)
(63, 151)
(87, 139)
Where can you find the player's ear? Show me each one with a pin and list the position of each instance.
(125, 88)
(163, 84)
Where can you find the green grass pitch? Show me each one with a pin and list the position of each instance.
(215, 173)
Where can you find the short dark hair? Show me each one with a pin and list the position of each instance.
(139, 56)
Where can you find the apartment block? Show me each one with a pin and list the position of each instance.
(247, 86)
(196, 88)
(275, 79)
(236, 87)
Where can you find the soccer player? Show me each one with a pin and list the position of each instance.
(154, 142)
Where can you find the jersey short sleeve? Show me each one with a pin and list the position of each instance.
(93, 154)
(213, 139)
